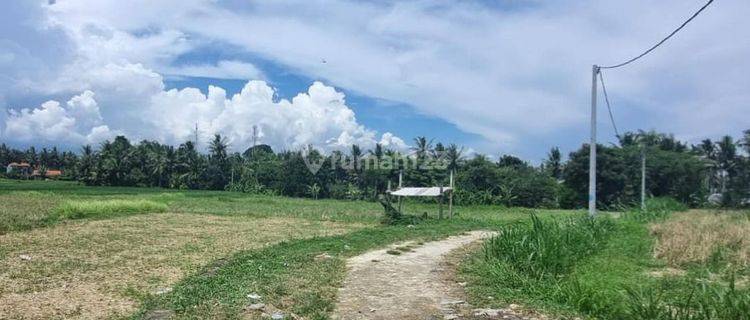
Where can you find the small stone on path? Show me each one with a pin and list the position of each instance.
(256, 306)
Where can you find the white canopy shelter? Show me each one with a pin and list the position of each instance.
(438, 192)
(421, 192)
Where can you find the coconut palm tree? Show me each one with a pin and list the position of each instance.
(554, 163)
(377, 151)
(356, 157)
(725, 157)
(454, 156)
(422, 147)
(86, 166)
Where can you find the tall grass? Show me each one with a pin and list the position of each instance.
(94, 208)
(548, 247)
(705, 301)
(600, 268)
(656, 209)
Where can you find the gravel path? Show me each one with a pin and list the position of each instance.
(384, 284)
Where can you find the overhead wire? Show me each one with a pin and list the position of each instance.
(662, 40)
(609, 107)
(652, 48)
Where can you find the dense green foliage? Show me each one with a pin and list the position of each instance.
(688, 174)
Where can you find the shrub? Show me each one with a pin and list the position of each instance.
(91, 208)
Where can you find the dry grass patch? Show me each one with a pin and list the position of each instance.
(23, 210)
(700, 236)
(99, 269)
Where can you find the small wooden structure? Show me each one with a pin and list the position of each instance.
(439, 192)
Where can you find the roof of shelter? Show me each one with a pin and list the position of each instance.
(420, 192)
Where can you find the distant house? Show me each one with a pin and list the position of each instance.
(53, 174)
(22, 168)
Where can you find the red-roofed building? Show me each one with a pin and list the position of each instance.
(48, 174)
(22, 168)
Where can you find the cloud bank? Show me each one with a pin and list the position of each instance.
(318, 117)
(516, 74)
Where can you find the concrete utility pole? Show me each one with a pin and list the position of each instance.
(592, 145)
(643, 178)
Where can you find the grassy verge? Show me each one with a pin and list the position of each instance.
(550, 266)
(565, 267)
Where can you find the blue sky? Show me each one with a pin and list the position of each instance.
(496, 77)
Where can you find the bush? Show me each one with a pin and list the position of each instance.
(92, 208)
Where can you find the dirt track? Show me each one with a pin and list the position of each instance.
(384, 285)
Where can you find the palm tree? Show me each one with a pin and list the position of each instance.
(159, 166)
(188, 166)
(707, 149)
(422, 147)
(85, 168)
(356, 156)
(378, 151)
(454, 155)
(438, 151)
(554, 163)
(725, 158)
(218, 148)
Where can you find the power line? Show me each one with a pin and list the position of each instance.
(609, 108)
(663, 40)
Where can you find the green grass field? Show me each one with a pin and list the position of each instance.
(209, 248)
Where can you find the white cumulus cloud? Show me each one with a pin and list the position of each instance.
(76, 123)
(319, 117)
(138, 107)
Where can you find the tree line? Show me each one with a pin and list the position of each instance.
(693, 174)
